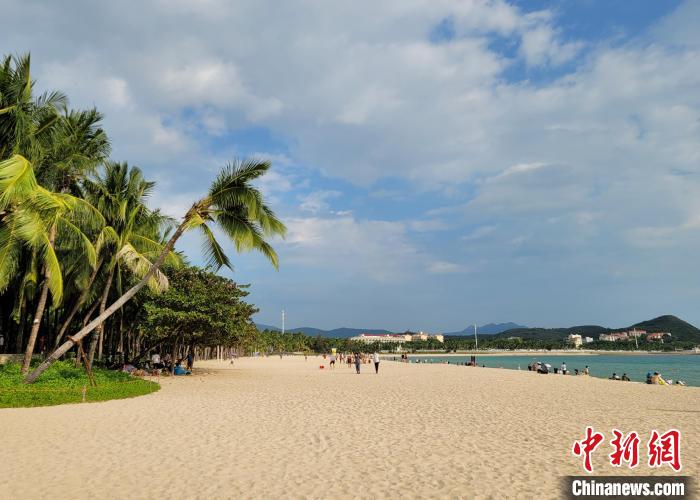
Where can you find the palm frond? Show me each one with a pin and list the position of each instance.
(140, 265)
(72, 233)
(17, 180)
(107, 235)
(10, 251)
(151, 249)
(54, 270)
(246, 235)
(213, 252)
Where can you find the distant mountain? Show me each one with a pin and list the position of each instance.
(310, 331)
(552, 333)
(336, 333)
(262, 327)
(488, 329)
(679, 330)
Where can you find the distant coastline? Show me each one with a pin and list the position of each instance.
(553, 352)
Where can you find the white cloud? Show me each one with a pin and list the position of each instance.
(479, 233)
(443, 267)
(358, 249)
(317, 201)
(603, 157)
(539, 46)
(429, 225)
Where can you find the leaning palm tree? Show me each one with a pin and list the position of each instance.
(120, 192)
(238, 210)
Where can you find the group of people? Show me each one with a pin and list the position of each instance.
(652, 378)
(545, 368)
(160, 365)
(656, 379)
(358, 359)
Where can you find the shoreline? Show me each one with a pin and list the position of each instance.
(553, 352)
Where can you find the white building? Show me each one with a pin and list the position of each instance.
(369, 338)
(426, 336)
(575, 340)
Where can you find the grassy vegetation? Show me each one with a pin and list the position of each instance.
(63, 383)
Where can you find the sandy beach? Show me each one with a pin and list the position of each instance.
(282, 428)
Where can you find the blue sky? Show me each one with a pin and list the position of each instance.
(437, 162)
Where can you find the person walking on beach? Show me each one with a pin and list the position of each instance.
(563, 368)
(357, 362)
(376, 362)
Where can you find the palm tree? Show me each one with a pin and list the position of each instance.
(36, 218)
(70, 148)
(120, 194)
(239, 211)
(58, 148)
(23, 118)
(24, 121)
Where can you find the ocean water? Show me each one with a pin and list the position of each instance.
(676, 367)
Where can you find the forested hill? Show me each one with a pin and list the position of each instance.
(552, 333)
(679, 329)
(488, 329)
(336, 333)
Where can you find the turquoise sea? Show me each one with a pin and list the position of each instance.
(676, 367)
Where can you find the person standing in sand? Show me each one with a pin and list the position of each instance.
(357, 362)
(376, 362)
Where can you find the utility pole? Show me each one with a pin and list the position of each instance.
(476, 339)
(282, 321)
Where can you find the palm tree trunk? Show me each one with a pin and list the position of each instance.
(87, 317)
(36, 324)
(115, 306)
(81, 300)
(97, 336)
(20, 327)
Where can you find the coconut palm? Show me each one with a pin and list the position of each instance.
(35, 218)
(23, 118)
(235, 207)
(56, 146)
(120, 194)
(66, 152)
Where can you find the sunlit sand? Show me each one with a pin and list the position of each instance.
(283, 428)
